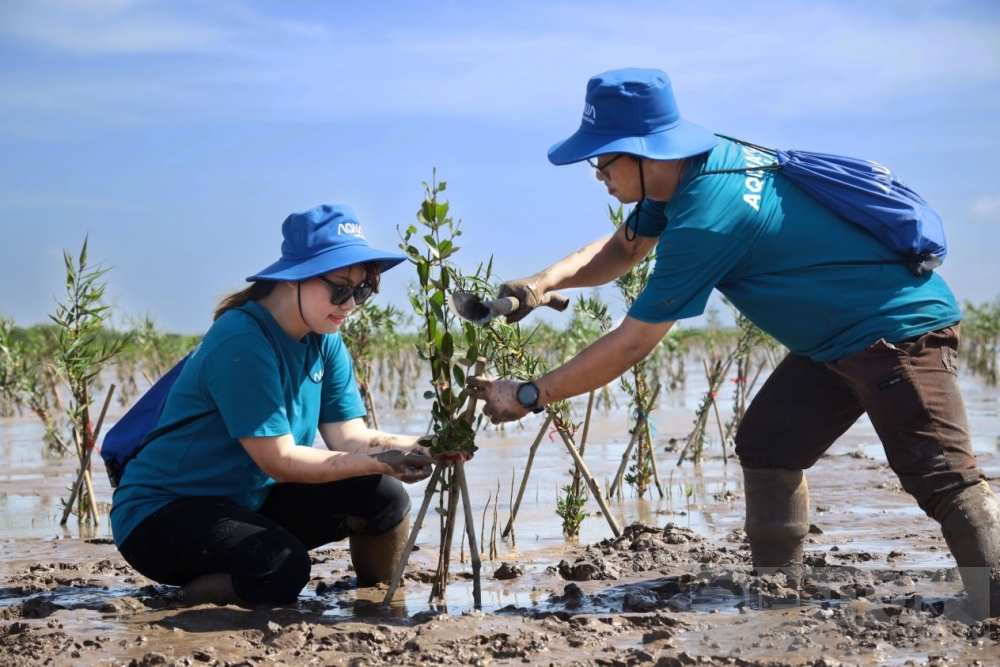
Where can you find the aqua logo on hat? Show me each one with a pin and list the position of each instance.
(320, 240)
(632, 111)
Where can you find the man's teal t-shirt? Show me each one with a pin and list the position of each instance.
(247, 378)
(782, 259)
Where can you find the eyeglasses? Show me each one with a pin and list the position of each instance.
(602, 169)
(341, 293)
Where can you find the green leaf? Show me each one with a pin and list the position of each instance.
(441, 212)
(447, 345)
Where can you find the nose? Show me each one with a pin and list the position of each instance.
(599, 175)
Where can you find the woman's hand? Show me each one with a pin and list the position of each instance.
(407, 467)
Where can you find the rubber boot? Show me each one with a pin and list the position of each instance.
(375, 557)
(777, 520)
(211, 589)
(970, 522)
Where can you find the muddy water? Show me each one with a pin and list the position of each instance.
(651, 595)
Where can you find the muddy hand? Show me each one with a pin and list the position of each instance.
(407, 467)
(499, 398)
(525, 290)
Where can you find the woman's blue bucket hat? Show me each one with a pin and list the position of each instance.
(632, 111)
(321, 240)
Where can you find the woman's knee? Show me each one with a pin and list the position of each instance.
(276, 572)
(391, 496)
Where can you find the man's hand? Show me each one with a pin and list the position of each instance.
(499, 398)
(407, 467)
(525, 290)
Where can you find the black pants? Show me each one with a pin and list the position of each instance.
(266, 552)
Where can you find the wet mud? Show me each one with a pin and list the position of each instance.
(676, 588)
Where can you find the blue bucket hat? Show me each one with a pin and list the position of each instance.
(320, 240)
(632, 111)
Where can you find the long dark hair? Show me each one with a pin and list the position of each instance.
(261, 288)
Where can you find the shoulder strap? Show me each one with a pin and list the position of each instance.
(775, 166)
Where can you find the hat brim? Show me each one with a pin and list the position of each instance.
(336, 258)
(680, 141)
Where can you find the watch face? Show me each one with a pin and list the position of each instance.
(527, 395)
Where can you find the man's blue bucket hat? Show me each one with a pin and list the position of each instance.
(321, 240)
(632, 111)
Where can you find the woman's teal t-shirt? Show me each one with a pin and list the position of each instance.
(247, 378)
(782, 259)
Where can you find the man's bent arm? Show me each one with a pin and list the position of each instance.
(597, 263)
(602, 361)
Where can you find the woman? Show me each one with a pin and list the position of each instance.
(228, 494)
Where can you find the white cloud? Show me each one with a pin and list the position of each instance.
(987, 206)
(242, 64)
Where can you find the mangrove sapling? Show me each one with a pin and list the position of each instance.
(639, 431)
(30, 382)
(360, 331)
(695, 443)
(81, 354)
(508, 350)
(752, 342)
(981, 340)
(450, 357)
(630, 284)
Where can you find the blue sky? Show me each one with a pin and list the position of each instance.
(179, 135)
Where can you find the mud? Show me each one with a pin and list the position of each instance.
(675, 589)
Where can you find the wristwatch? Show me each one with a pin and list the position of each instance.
(528, 395)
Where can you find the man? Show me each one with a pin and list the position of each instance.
(865, 334)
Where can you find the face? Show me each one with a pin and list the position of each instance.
(323, 316)
(620, 174)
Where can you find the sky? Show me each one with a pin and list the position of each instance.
(177, 135)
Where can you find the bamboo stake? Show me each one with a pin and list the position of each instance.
(470, 528)
(85, 468)
(397, 576)
(649, 442)
(524, 480)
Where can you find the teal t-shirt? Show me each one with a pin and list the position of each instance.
(247, 378)
(782, 259)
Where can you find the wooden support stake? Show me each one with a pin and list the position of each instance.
(85, 468)
(524, 480)
(397, 577)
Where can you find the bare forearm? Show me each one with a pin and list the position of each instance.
(601, 362)
(372, 441)
(595, 264)
(307, 465)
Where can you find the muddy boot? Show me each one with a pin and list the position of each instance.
(970, 522)
(211, 589)
(375, 557)
(777, 520)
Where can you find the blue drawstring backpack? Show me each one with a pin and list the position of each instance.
(124, 440)
(866, 194)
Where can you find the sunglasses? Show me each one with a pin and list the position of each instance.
(602, 168)
(340, 293)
